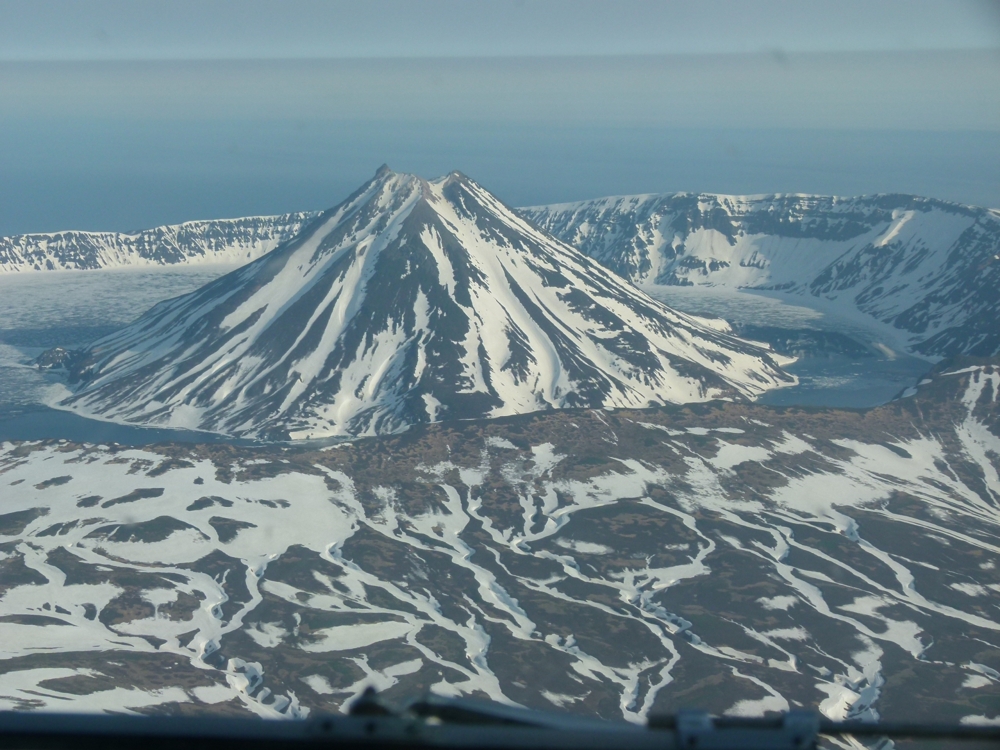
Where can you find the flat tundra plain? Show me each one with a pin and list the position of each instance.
(732, 557)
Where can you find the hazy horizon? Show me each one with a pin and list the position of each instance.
(216, 173)
(122, 115)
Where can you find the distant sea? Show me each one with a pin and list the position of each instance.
(120, 176)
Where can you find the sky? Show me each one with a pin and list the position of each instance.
(309, 29)
(119, 115)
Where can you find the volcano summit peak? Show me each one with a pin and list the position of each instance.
(412, 301)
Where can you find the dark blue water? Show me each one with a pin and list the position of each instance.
(37, 422)
(846, 383)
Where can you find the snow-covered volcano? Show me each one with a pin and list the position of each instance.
(411, 301)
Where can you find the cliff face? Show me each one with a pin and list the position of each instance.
(220, 241)
(928, 268)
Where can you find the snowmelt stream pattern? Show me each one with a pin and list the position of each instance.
(280, 587)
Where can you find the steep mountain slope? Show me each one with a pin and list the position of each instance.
(217, 241)
(727, 556)
(930, 269)
(410, 302)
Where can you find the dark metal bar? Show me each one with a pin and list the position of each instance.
(903, 730)
(456, 725)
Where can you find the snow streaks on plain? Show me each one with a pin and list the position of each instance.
(732, 557)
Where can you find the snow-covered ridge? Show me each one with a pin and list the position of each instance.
(222, 241)
(412, 301)
(929, 268)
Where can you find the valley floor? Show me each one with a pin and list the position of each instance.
(736, 558)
